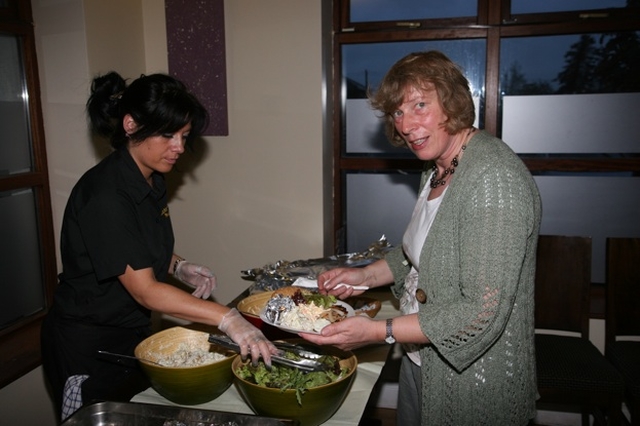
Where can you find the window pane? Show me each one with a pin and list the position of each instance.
(543, 6)
(578, 124)
(378, 204)
(364, 66)
(577, 63)
(571, 94)
(15, 140)
(570, 208)
(401, 10)
(22, 292)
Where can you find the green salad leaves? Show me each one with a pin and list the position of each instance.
(321, 300)
(308, 297)
(284, 378)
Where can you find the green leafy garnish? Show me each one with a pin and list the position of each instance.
(321, 300)
(284, 378)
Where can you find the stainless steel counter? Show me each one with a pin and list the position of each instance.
(129, 414)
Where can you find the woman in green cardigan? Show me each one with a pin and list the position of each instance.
(464, 274)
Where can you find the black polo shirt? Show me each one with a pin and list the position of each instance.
(113, 218)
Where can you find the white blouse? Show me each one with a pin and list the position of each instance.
(423, 214)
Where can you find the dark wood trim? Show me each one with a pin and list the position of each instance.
(336, 114)
(411, 24)
(20, 351)
(484, 13)
(592, 165)
(560, 28)
(598, 298)
(411, 35)
(589, 17)
(22, 180)
(492, 78)
(20, 342)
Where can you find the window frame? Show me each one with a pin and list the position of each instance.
(20, 342)
(493, 22)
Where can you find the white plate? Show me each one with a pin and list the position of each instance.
(346, 306)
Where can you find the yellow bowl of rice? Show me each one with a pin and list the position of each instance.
(192, 371)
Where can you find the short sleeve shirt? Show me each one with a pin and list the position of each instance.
(113, 218)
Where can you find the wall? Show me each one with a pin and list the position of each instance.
(256, 196)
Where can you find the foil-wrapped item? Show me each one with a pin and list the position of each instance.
(283, 273)
(276, 307)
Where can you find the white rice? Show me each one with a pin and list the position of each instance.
(190, 356)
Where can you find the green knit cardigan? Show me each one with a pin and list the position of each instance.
(477, 268)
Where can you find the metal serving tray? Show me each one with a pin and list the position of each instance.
(129, 414)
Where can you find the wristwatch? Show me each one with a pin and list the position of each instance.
(390, 339)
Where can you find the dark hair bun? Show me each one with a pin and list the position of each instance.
(102, 105)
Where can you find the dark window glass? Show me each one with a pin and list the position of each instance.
(568, 64)
(400, 10)
(15, 149)
(547, 6)
(23, 292)
(378, 204)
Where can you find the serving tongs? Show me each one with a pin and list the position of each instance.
(309, 361)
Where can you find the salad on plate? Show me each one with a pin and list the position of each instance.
(296, 310)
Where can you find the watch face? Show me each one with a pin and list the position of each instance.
(390, 340)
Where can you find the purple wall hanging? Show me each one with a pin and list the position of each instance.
(196, 48)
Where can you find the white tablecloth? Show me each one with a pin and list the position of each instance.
(370, 362)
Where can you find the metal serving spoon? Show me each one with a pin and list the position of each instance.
(118, 358)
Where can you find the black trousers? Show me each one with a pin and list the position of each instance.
(71, 348)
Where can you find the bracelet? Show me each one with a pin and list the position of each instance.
(176, 263)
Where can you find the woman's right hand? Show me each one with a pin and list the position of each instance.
(249, 338)
(339, 282)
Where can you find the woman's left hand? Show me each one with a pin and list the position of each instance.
(197, 276)
(348, 334)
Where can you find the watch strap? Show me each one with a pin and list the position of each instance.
(389, 338)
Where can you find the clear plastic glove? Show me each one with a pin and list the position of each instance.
(249, 338)
(196, 276)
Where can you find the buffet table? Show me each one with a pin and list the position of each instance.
(371, 360)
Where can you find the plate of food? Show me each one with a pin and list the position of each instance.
(300, 310)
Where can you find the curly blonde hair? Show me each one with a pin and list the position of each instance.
(425, 71)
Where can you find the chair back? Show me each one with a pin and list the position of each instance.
(623, 288)
(563, 280)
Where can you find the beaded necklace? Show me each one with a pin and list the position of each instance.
(435, 182)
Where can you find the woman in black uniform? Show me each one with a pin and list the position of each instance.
(117, 247)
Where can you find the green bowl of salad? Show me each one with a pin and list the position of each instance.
(311, 398)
